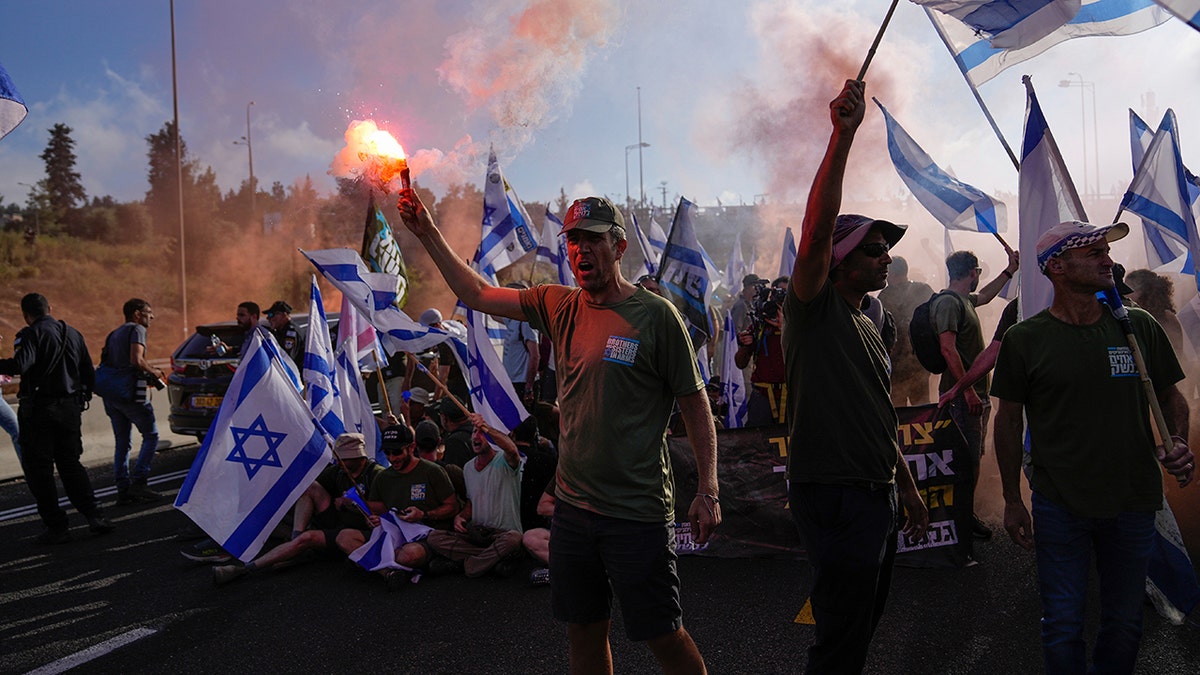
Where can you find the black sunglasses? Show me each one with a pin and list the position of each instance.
(874, 249)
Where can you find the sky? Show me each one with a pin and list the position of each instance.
(733, 95)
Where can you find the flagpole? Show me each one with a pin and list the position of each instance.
(878, 37)
(454, 399)
(382, 385)
(974, 92)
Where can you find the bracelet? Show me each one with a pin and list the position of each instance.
(709, 497)
(1007, 273)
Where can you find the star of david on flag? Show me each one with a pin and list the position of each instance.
(262, 451)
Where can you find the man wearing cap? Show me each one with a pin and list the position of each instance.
(324, 507)
(419, 491)
(416, 403)
(844, 463)
(960, 336)
(623, 358)
(279, 317)
(1095, 478)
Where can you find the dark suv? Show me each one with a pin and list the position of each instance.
(198, 379)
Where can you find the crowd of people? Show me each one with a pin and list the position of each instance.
(584, 485)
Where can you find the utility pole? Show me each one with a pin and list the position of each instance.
(663, 186)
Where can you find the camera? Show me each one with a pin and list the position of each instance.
(767, 303)
(154, 381)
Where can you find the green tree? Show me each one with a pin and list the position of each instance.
(162, 199)
(64, 193)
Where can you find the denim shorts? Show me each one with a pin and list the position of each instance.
(594, 557)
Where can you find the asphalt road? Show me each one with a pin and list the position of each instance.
(127, 602)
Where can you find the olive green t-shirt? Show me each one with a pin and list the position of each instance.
(425, 487)
(1091, 447)
(954, 311)
(619, 370)
(842, 426)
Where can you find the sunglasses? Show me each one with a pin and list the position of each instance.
(874, 249)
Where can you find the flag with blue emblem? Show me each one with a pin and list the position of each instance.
(507, 229)
(552, 249)
(733, 381)
(684, 277)
(1046, 196)
(1164, 193)
(373, 294)
(263, 450)
(1162, 254)
(492, 393)
(1188, 11)
(980, 60)
(1011, 24)
(381, 252)
(12, 106)
(318, 373)
(351, 395)
(787, 257)
(379, 551)
(954, 204)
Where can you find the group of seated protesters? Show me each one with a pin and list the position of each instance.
(475, 489)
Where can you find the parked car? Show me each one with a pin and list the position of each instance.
(199, 379)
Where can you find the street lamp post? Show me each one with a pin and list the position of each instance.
(638, 146)
(250, 151)
(1084, 85)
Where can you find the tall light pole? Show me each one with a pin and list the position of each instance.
(641, 182)
(250, 150)
(1083, 85)
(639, 146)
(179, 181)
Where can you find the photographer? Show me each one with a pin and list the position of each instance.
(761, 342)
(125, 352)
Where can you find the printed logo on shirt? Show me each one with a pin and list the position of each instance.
(621, 350)
(416, 492)
(1121, 363)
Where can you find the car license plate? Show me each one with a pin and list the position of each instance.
(206, 401)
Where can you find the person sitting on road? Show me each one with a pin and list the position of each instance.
(429, 447)
(487, 532)
(416, 490)
(536, 540)
(457, 433)
(323, 507)
(541, 463)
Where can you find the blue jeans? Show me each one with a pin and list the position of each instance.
(1064, 543)
(124, 415)
(8, 422)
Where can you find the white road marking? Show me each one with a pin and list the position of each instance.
(95, 651)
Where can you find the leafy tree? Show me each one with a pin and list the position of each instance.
(63, 191)
(162, 199)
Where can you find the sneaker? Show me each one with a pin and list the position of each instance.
(142, 493)
(980, 530)
(441, 566)
(206, 551)
(396, 580)
(124, 498)
(223, 574)
(98, 524)
(53, 537)
(507, 567)
(540, 577)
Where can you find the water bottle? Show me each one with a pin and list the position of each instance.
(217, 345)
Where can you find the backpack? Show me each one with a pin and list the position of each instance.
(925, 344)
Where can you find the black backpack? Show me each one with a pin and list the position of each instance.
(924, 337)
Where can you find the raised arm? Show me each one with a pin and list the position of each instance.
(466, 283)
(825, 197)
(988, 292)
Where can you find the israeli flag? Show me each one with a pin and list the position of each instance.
(733, 382)
(954, 204)
(492, 393)
(351, 395)
(1012, 24)
(373, 294)
(735, 269)
(1188, 11)
(553, 249)
(787, 257)
(12, 106)
(1162, 194)
(363, 337)
(1046, 196)
(650, 256)
(980, 60)
(262, 451)
(379, 552)
(1171, 580)
(507, 229)
(1162, 254)
(684, 277)
(319, 390)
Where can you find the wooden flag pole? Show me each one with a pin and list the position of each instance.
(387, 404)
(878, 37)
